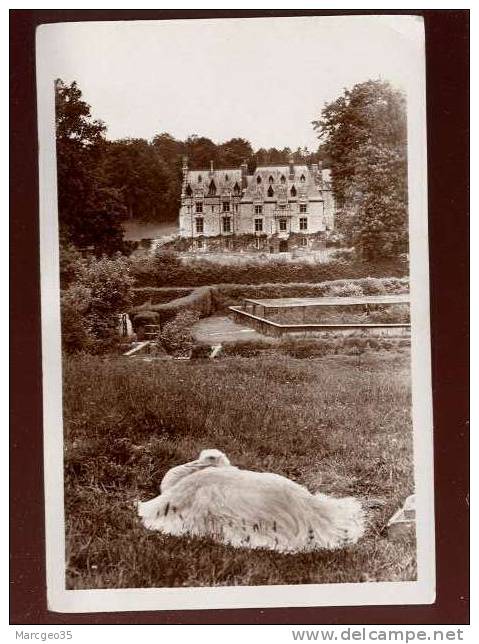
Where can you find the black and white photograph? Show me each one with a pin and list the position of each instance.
(235, 313)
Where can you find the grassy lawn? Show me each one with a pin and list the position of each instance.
(327, 423)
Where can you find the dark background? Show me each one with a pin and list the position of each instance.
(447, 61)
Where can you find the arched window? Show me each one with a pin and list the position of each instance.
(226, 177)
(293, 192)
(283, 179)
(236, 189)
(200, 178)
(302, 178)
(271, 179)
(212, 189)
(270, 191)
(258, 179)
(188, 191)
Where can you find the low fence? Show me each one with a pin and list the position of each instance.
(271, 328)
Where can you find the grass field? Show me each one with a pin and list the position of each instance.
(327, 423)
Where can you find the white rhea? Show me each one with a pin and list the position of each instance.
(207, 458)
(211, 498)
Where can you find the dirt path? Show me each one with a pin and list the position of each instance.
(217, 329)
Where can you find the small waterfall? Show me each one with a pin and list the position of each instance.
(125, 327)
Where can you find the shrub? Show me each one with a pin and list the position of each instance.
(76, 327)
(98, 289)
(246, 349)
(372, 286)
(343, 253)
(199, 351)
(307, 348)
(176, 335)
(350, 289)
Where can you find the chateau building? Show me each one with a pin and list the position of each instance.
(277, 208)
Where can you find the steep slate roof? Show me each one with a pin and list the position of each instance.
(306, 189)
(223, 184)
(226, 178)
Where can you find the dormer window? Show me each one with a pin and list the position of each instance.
(293, 192)
(302, 178)
(270, 191)
(283, 179)
(188, 191)
(258, 179)
(212, 189)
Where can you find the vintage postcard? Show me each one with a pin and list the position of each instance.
(235, 313)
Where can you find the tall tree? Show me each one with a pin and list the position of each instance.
(90, 211)
(200, 151)
(232, 153)
(364, 135)
(133, 167)
(171, 152)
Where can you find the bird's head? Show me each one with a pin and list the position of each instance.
(213, 458)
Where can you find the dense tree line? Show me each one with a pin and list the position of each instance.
(362, 138)
(101, 183)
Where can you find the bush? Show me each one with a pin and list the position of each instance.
(372, 286)
(246, 349)
(98, 289)
(350, 289)
(200, 351)
(308, 348)
(75, 335)
(344, 253)
(176, 335)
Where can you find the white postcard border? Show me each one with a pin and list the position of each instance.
(421, 591)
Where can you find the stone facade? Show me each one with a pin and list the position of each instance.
(278, 208)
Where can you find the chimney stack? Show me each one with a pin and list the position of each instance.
(185, 174)
(317, 170)
(244, 173)
(291, 168)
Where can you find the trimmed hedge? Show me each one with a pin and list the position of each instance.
(226, 295)
(198, 301)
(170, 271)
(157, 295)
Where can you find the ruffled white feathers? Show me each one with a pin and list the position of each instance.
(250, 509)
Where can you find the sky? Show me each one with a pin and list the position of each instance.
(263, 79)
